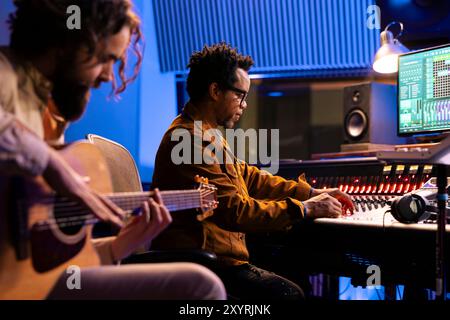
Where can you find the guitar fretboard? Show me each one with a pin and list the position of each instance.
(174, 200)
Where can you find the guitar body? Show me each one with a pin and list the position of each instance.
(41, 235)
(46, 249)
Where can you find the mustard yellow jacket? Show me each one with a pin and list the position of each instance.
(250, 200)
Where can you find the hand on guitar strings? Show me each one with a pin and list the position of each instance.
(65, 181)
(142, 229)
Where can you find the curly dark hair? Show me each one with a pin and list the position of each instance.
(217, 63)
(38, 25)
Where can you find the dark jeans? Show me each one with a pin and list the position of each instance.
(250, 282)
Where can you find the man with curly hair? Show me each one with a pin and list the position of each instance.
(250, 200)
(46, 75)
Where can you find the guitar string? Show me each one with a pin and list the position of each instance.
(131, 195)
(71, 221)
(131, 204)
(79, 220)
(61, 223)
(60, 202)
(171, 201)
(48, 224)
(68, 211)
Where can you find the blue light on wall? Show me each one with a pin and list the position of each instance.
(275, 94)
(348, 292)
(6, 7)
(305, 36)
(400, 3)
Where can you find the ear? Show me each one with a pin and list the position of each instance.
(214, 91)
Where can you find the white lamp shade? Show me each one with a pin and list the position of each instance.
(386, 58)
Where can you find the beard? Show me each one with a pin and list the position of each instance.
(228, 124)
(70, 95)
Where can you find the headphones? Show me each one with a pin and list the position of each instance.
(410, 208)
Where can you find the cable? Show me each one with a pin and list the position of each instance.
(384, 217)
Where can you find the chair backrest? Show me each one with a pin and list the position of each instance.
(125, 178)
(124, 173)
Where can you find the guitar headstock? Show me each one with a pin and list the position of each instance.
(208, 197)
(200, 180)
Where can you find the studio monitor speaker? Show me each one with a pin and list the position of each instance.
(370, 114)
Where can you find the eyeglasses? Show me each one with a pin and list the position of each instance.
(241, 92)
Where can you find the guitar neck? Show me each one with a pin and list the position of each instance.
(174, 200)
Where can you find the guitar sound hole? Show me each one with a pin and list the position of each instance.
(69, 225)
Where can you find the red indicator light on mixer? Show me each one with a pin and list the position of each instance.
(408, 186)
(394, 186)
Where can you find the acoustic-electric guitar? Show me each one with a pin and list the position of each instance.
(42, 234)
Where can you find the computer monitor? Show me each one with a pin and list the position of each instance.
(424, 92)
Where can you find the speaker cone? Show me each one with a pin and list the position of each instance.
(356, 124)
